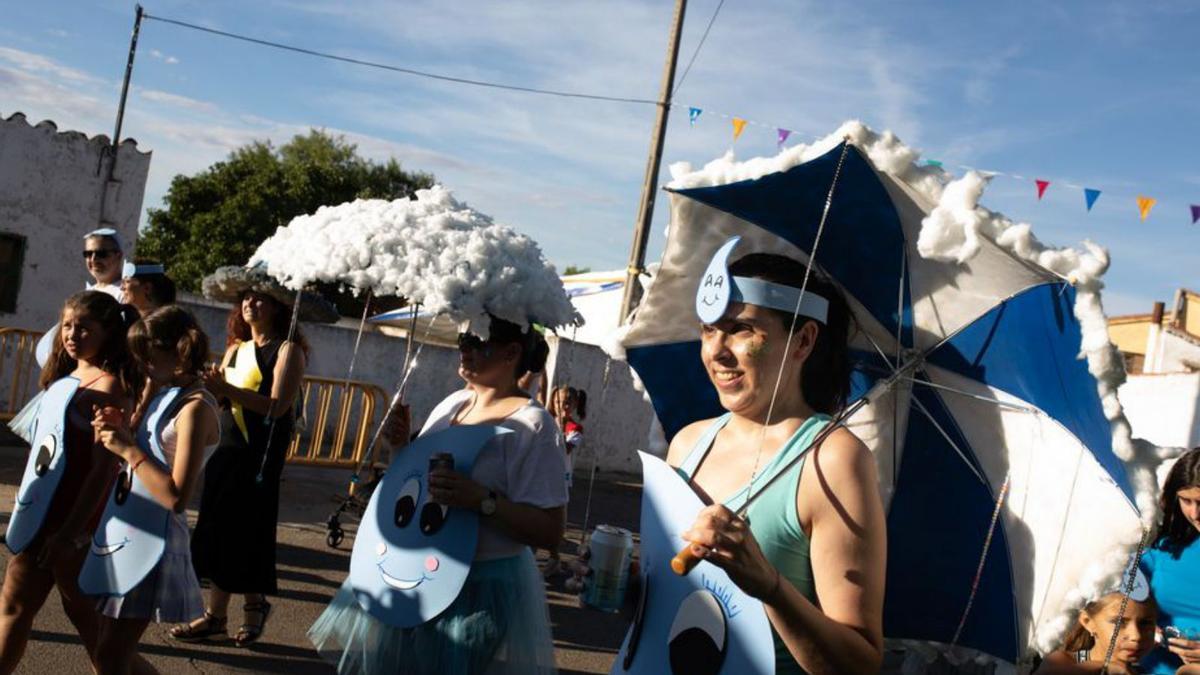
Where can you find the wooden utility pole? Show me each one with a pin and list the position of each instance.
(641, 233)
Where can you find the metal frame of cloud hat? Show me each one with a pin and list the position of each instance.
(228, 283)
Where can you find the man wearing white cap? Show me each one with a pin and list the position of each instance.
(104, 257)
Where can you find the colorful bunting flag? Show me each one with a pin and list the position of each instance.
(739, 125)
(1195, 213)
(1041, 186)
(783, 136)
(693, 113)
(1145, 204)
(1091, 196)
(934, 162)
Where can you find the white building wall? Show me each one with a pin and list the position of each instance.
(52, 185)
(618, 421)
(1164, 408)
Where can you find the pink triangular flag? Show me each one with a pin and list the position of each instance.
(1042, 185)
(783, 136)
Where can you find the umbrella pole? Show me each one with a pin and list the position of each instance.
(587, 508)
(409, 366)
(271, 406)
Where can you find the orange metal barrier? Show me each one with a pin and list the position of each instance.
(18, 369)
(353, 420)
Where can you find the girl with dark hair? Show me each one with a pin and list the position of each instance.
(1089, 640)
(173, 351)
(1173, 565)
(498, 623)
(90, 347)
(812, 547)
(233, 544)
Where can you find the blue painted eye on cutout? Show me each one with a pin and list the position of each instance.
(406, 503)
(696, 641)
(433, 517)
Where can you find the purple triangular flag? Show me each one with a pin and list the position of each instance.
(783, 136)
(1195, 213)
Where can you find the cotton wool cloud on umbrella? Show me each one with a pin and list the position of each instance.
(984, 382)
(443, 258)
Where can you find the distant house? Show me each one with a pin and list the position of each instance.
(54, 188)
(1162, 358)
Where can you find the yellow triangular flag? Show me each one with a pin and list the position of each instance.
(739, 125)
(1145, 204)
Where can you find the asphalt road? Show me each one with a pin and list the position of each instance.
(586, 640)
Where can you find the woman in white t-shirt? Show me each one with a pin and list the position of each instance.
(499, 621)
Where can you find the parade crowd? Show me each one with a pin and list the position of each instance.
(152, 411)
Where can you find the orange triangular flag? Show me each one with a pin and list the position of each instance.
(739, 125)
(1145, 204)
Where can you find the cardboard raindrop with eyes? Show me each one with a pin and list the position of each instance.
(45, 466)
(412, 555)
(131, 537)
(698, 624)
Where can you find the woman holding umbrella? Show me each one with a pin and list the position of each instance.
(812, 544)
(233, 545)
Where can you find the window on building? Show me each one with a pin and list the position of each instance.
(12, 259)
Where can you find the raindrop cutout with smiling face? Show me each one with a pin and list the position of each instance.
(45, 466)
(412, 555)
(131, 537)
(699, 624)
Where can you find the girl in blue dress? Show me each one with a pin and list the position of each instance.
(1173, 565)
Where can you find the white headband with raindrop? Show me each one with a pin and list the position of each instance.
(1138, 592)
(130, 270)
(718, 288)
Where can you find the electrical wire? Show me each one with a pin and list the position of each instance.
(400, 69)
(696, 53)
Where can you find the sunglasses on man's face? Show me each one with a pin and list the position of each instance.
(99, 254)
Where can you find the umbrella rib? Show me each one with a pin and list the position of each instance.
(957, 450)
(986, 399)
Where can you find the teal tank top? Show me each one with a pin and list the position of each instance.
(773, 516)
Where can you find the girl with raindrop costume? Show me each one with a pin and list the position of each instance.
(498, 621)
(172, 351)
(1173, 566)
(91, 348)
(233, 544)
(1091, 639)
(812, 546)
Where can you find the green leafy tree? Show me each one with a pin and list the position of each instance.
(571, 269)
(221, 215)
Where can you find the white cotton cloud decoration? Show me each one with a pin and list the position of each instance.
(432, 250)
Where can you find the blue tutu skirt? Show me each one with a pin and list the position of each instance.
(170, 593)
(22, 423)
(498, 624)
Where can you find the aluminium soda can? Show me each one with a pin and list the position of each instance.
(612, 551)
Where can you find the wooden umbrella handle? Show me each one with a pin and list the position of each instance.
(685, 561)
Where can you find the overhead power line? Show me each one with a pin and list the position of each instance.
(696, 53)
(400, 69)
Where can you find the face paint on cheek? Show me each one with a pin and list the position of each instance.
(758, 349)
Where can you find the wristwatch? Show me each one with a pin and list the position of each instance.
(487, 506)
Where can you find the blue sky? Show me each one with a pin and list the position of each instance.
(1098, 94)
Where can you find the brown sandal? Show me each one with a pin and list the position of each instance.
(212, 626)
(249, 633)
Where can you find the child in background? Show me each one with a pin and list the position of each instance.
(567, 403)
(1087, 644)
(90, 347)
(172, 350)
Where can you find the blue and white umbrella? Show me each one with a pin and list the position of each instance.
(995, 456)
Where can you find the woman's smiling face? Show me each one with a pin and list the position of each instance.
(743, 353)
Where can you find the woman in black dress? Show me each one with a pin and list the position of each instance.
(233, 543)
